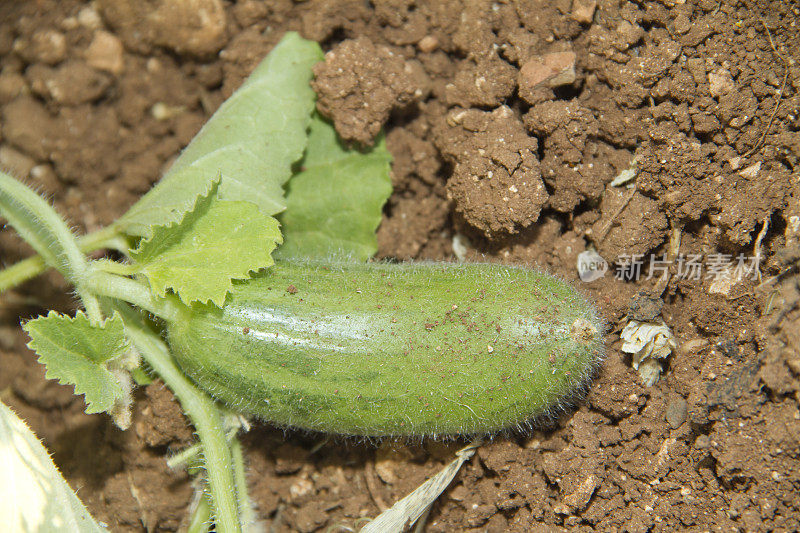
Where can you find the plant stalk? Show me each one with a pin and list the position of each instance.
(134, 292)
(38, 223)
(33, 266)
(205, 417)
(246, 512)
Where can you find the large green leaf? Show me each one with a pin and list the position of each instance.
(251, 142)
(76, 351)
(217, 242)
(33, 494)
(334, 203)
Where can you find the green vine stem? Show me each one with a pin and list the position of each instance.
(187, 457)
(106, 238)
(205, 417)
(193, 454)
(134, 292)
(201, 516)
(45, 231)
(240, 478)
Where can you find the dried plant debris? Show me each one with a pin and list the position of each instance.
(650, 344)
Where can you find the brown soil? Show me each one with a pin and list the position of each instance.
(507, 120)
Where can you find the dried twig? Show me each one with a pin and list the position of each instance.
(620, 209)
(758, 255)
(757, 247)
(778, 97)
(674, 250)
(372, 485)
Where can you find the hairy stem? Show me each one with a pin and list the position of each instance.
(239, 475)
(134, 292)
(205, 417)
(201, 516)
(42, 227)
(186, 457)
(33, 266)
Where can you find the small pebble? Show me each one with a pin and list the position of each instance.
(162, 111)
(16, 162)
(583, 10)
(428, 44)
(551, 70)
(751, 171)
(88, 17)
(44, 46)
(702, 442)
(105, 53)
(644, 307)
(720, 83)
(193, 27)
(677, 410)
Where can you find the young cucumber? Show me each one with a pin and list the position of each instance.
(393, 349)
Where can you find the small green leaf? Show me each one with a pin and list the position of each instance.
(78, 352)
(251, 142)
(334, 204)
(215, 243)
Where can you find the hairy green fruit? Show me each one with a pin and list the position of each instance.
(393, 349)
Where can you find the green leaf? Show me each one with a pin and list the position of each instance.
(215, 243)
(251, 142)
(78, 352)
(33, 495)
(334, 204)
(168, 201)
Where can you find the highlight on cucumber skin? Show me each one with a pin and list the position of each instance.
(415, 349)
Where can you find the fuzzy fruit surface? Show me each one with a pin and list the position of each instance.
(393, 349)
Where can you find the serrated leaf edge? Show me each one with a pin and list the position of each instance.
(79, 390)
(162, 291)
